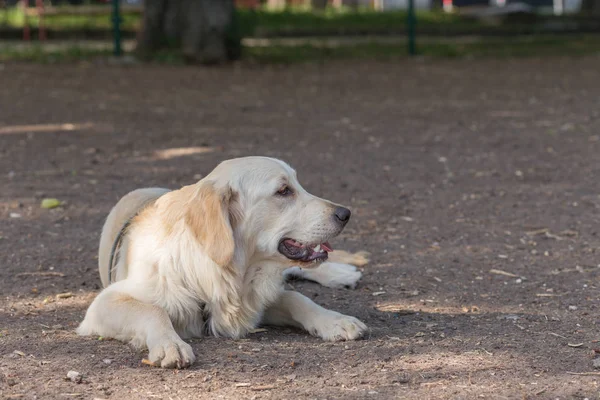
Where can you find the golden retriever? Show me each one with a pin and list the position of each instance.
(212, 257)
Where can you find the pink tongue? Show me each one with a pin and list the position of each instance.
(327, 247)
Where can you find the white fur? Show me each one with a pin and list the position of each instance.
(167, 269)
(329, 274)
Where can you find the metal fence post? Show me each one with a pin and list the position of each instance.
(411, 22)
(116, 21)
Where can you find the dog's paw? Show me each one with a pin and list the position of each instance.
(172, 353)
(338, 276)
(334, 327)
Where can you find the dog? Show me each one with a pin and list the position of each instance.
(213, 257)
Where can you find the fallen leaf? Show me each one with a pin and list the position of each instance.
(51, 203)
(148, 362)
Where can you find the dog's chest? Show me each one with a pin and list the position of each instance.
(236, 315)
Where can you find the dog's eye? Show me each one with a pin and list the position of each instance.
(284, 191)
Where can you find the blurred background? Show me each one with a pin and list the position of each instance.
(294, 30)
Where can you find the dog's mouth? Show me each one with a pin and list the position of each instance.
(297, 251)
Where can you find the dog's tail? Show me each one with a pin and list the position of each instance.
(116, 222)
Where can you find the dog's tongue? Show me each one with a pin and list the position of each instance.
(292, 243)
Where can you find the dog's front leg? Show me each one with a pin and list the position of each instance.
(295, 309)
(115, 314)
(328, 274)
(338, 272)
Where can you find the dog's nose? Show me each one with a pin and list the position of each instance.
(342, 214)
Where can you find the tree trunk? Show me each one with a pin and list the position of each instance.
(319, 4)
(590, 7)
(203, 30)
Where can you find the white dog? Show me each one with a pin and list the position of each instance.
(213, 257)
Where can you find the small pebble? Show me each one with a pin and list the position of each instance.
(572, 308)
(74, 376)
(107, 361)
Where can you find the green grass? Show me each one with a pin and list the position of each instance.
(332, 20)
(14, 18)
(527, 46)
(37, 54)
(533, 46)
(260, 21)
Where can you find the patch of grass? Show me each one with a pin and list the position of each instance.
(261, 21)
(530, 46)
(311, 53)
(14, 18)
(543, 45)
(11, 17)
(38, 54)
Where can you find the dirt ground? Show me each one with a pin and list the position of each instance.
(474, 184)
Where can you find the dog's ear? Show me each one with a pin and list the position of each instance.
(209, 216)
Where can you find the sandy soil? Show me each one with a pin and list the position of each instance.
(473, 183)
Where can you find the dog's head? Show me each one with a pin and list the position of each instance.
(256, 206)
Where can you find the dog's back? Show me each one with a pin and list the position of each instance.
(122, 212)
